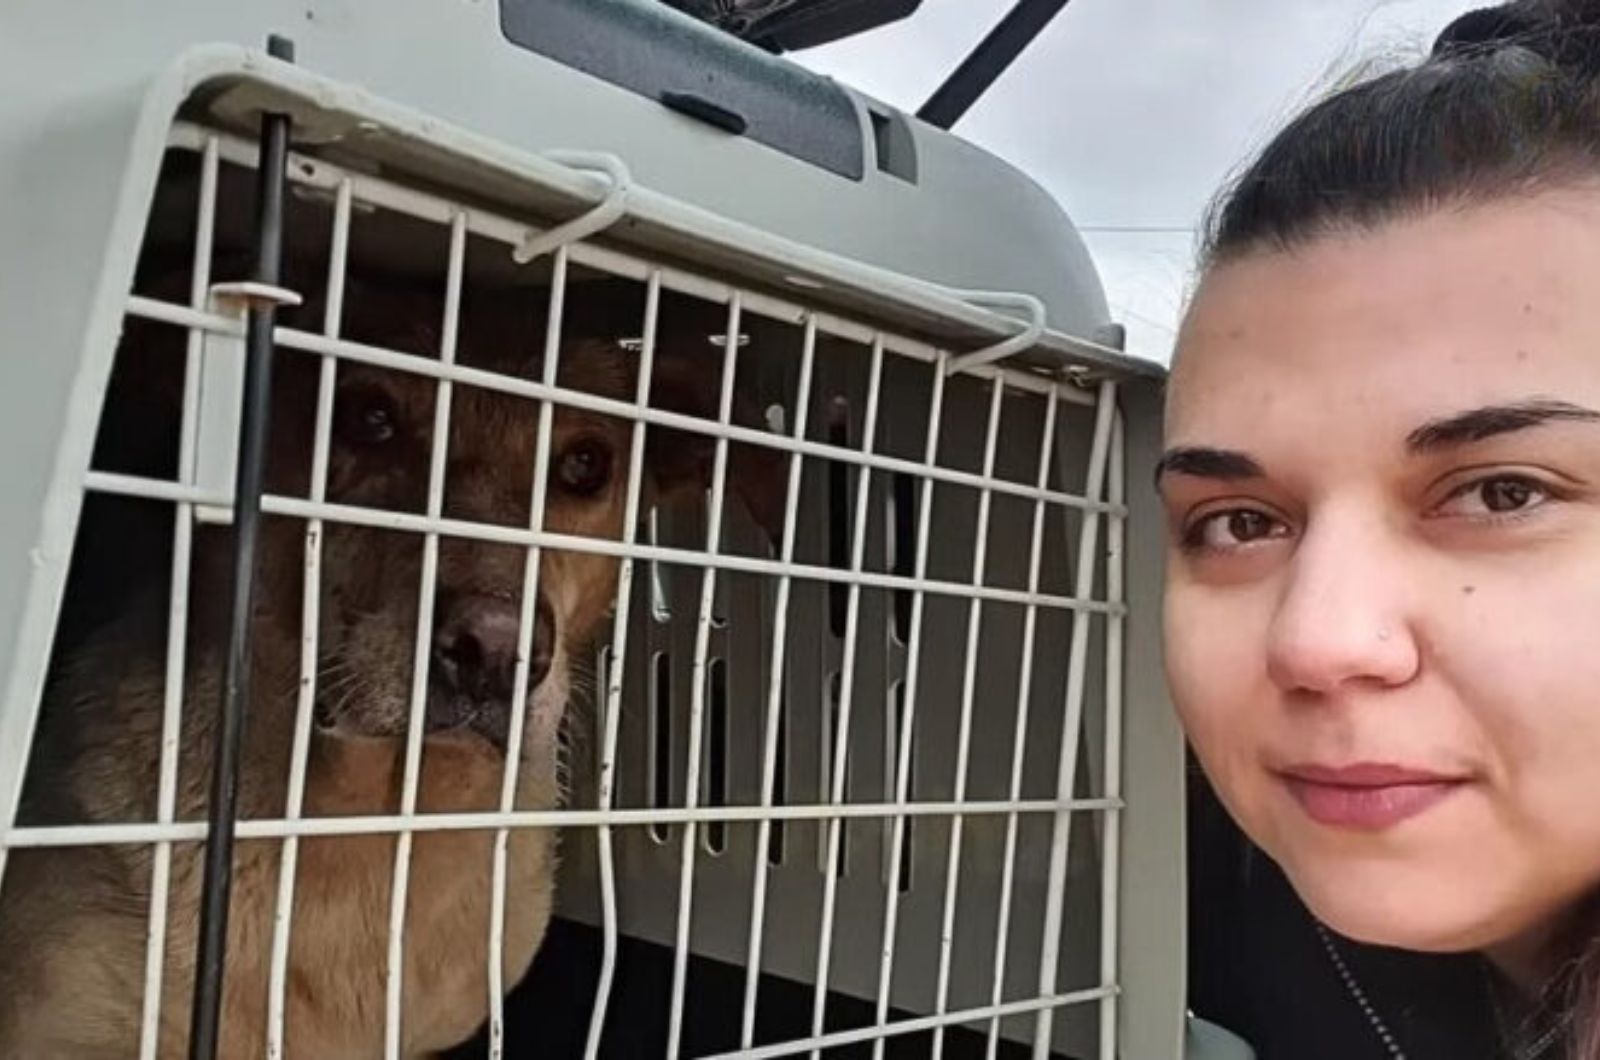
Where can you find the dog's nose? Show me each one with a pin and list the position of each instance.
(475, 646)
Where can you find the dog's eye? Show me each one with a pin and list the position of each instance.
(584, 467)
(366, 416)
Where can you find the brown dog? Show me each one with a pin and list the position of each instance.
(73, 922)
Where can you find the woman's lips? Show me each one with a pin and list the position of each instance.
(1367, 796)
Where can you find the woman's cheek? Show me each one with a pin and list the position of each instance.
(1532, 687)
(1215, 665)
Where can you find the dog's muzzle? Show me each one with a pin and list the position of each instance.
(472, 673)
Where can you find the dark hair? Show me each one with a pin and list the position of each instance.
(1507, 103)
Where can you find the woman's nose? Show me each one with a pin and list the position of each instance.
(1344, 617)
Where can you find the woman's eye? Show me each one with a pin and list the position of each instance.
(1232, 529)
(584, 467)
(1496, 496)
(367, 417)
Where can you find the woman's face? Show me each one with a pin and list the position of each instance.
(1382, 483)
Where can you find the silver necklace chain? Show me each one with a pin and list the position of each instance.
(1359, 996)
(1535, 1050)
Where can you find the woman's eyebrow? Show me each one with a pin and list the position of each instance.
(1201, 461)
(1476, 425)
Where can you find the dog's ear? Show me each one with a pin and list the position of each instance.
(680, 463)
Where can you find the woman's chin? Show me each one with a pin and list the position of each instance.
(1406, 906)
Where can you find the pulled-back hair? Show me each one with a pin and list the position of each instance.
(1507, 102)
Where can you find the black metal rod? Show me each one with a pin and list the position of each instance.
(206, 1014)
(988, 61)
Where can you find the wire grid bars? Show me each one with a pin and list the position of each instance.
(856, 707)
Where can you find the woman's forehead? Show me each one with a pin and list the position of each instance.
(1409, 320)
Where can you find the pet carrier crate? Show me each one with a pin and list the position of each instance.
(887, 767)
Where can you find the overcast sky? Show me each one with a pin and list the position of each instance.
(1133, 111)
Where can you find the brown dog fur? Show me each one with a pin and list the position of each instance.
(73, 921)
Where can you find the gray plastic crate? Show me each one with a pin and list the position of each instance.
(962, 279)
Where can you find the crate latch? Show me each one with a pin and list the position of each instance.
(222, 392)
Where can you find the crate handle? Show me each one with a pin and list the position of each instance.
(600, 216)
(999, 351)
